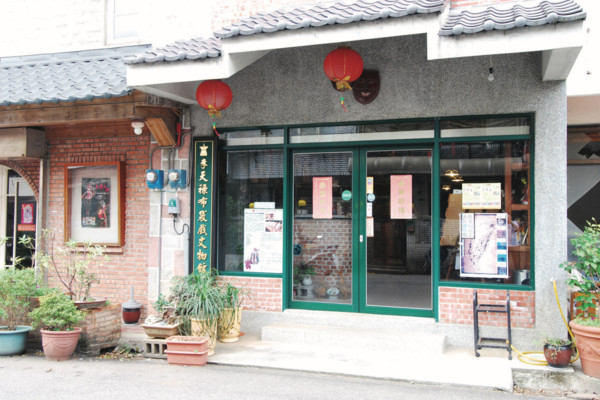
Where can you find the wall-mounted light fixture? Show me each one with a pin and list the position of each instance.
(138, 126)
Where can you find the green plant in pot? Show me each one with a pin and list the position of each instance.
(18, 288)
(584, 279)
(230, 321)
(558, 352)
(58, 316)
(72, 266)
(199, 302)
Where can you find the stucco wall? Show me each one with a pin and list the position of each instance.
(289, 87)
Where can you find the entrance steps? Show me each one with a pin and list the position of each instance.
(367, 332)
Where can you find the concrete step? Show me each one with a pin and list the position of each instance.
(390, 340)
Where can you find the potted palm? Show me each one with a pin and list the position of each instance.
(230, 320)
(58, 316)
(584, 279)
(199, 302)
(18, 288)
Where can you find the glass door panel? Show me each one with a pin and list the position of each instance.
(398, 229)
(322, 227)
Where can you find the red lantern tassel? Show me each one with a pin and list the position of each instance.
(215, 129)
(342, 100)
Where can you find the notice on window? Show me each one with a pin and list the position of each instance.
(482, 196)
(263, 240)
(401, 196)
(323, 197)
(485, 255)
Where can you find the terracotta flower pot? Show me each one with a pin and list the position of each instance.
(60, 345)
(187, 350)
(587, 339)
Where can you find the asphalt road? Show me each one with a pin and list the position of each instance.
(33, 377)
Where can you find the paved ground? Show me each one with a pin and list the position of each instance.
(33, 377)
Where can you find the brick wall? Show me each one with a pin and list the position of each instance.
(264, 294)
(101, 329)
(29, 169)
(127, 265)
(456, 307)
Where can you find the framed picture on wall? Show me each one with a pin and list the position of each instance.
(94, 203)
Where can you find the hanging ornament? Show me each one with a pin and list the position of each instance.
(343, 65)
(214, 96)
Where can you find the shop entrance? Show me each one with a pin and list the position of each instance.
(362, 230)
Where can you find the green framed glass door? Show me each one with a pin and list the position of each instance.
(361, 230)
(396, 218)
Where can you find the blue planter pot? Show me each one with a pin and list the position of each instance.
(13, 342)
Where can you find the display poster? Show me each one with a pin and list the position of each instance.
(401, 196)
(95, 202)
(27, 213)
(322, 197)
(370, 183)
(482, 196)
(485, 255)
(263, 240)
(370, 227)
(203, 201)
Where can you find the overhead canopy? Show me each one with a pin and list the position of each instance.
(554, 28)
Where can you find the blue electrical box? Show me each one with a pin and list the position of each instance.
(177, 178)
(155, 178)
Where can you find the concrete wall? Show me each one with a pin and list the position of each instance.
(289, 87)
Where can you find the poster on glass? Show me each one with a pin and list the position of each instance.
(483, 245)
(263, 240)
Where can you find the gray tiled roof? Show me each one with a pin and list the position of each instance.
(193, 49)
(84, 75)
(508, 16)
(328, 14)
(322, 14)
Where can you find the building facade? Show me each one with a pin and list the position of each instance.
(356, 190)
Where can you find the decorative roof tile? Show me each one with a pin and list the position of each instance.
(193, 49)
(509, 16)
(328, 14)
(85, 75)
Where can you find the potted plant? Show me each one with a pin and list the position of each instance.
(72, 264)
(584, 279)
(164, 322)
(230, 320)
(18, 287)
(187, 350)
(199, 302)
(558, 352)
(58, 316)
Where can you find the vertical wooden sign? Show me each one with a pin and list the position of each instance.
(204, 188)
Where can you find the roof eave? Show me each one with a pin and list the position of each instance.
(560, 44)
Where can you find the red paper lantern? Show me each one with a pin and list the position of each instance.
(343, 66)
(214, 96)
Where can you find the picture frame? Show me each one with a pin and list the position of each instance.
(95, 203)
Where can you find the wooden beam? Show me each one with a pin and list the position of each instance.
(163, 130)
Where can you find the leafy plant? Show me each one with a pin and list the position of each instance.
(233, 296)
(17, 288)
(553, 346)
(57, 312)
(585, 272)
(198, 297)
(71, 264)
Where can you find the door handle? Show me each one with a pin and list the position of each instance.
(361, 238)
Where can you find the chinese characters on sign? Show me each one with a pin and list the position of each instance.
(203, 204)
(400, 196)
(322, 198)
(481, 195)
